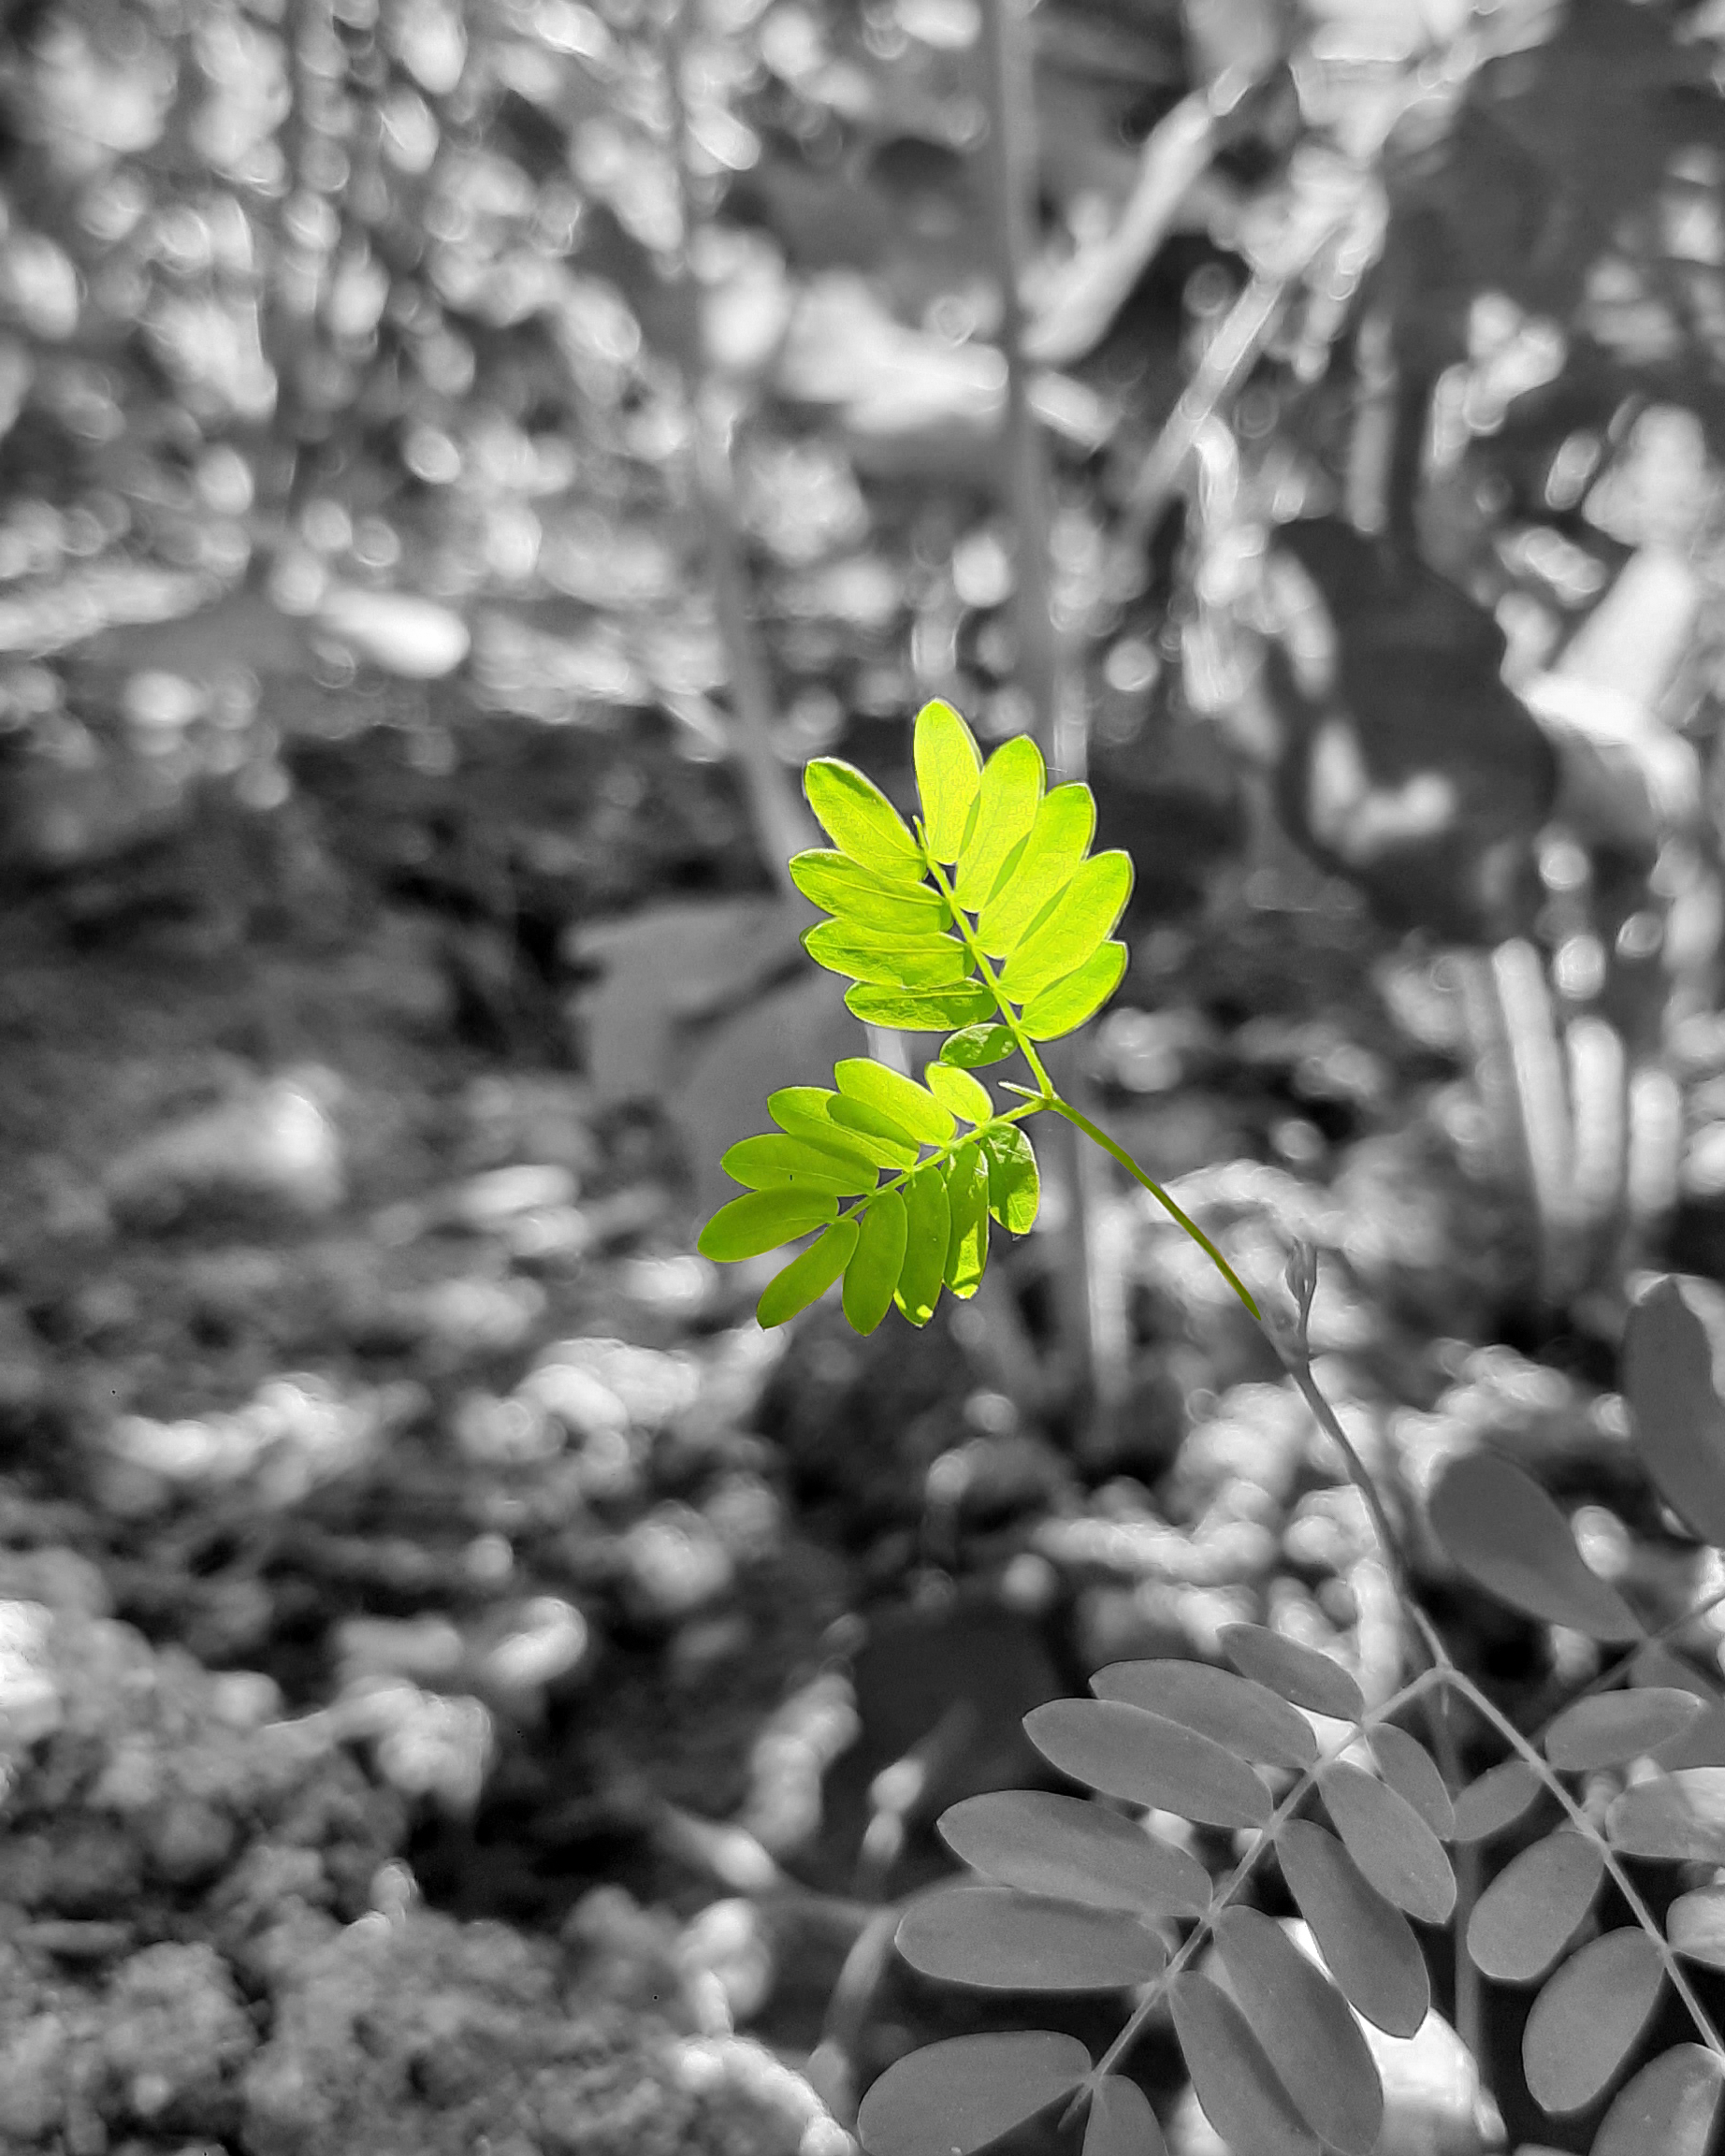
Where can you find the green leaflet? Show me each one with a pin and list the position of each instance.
(768, 1163)
(806, 1279)
(879, 1258)
(807, 1112)
(867, 955)
(927, 1220)
(957, 1090)
(1063, 1008)
(834, 883)
(1064, 826)
(896, 1147)
(921, 1011)
(948, 777)
(762, 1220)
(912, 1107)
(1005, 809)
(1077, 922)
(968, 1230)
(1014, 1187)
(978, 1045)
(861, 821)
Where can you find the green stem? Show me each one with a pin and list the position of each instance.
(990, 980)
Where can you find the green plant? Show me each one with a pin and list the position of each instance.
(991, 921)
(988, 920)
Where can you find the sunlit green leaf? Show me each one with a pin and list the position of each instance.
(926, 1233)
(807, 1277)
(948, 777)
(867, 955)
(1014, 1185)
(834, 883)
(765, 1162)
(955, 2098)
(1006, 810)
(955, 1088)
(807, 1112)
(911, 1107)
(750, 1227)
(861, 821)
(920, 1010)
(1079, 920)
(873, 1272)
(1070, 1003)
(1001, 1940)
(967, 1229)
(977, 1046)
(1064, 826)
(877, 1130)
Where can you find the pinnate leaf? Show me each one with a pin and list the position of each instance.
(873, 1272)
(1246, 1718)
(1146, 1759)
(1506, 1534)
(1006, 810)
(926, 1232)
(1080, 919)
(878, 958)
(1534, 1907)
(807, 1277)
(955, 1089)
(1121, 2122)
(834, 883)
(1679, 1816)
(978, 1045)
(1306, 2029)
(1004, 1941)
(951, 2099)
(1695, 1925)
(861, 821)
(750, 1227)
(1412, 1772)
(1675, 1408)
(765, 1162)
(1669, 2107)
(1014, 1183)
(1369, 1946)
(967, 1222)
(906, 1105)
(1496, 1800)
(948, 777)
(920, 1009)
(1058, 838)
(1240, 2090)
(1587, 2016)
(1074, 1851)
(1612, 1727)
(1065, 1007)
(1390, 1842)
(1299, 1673)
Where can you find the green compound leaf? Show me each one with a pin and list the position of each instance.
(1144, 1758)
(1306, 2028)
(873, 1272)
(1670, 2106)
(886, 960)
(861, 821)
(1240, 2090)
(1590, 2013)
(1121, 2122)
(1412, 1772)
(767, 1162)
(957, 1090)
(1613, 1727)
(919, 1010)
(911, 1107)
(1248, 1719)
(1058, 838)
(1507, 1535)
(1299, 1673)
(1014, 1186)
(977, 1046)
(948, 777)
(1500, 1796)
(1082, 916)
(810, 1112)
(1073, 1850)
(807, 1277)
(967, 1226)
(750, 1227)
(1006, 810)
(1071, 1003)
(834, 883)
(1000, 1940)
(1390, 1842)
(1369, 1945)
(954, 2098)
(927, 1224)
(1534, 1907)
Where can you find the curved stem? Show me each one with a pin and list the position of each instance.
(1467, 1689)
